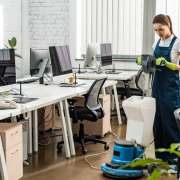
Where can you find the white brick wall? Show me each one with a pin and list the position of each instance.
(36, 24)
(12, 26)
(48, 22)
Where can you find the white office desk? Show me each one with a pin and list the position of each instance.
(122, 76)
(47, 95)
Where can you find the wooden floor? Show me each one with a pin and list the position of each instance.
(50, 165)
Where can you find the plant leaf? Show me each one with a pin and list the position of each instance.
(155, 175)
(174, 149)
(12, 42)
(175, 146)
(145, 162)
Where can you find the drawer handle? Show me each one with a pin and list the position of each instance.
(14, 152)
(12, 134)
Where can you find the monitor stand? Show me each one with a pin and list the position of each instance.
(74, 84)
(80, 71)
(112, 71)
(99, 69)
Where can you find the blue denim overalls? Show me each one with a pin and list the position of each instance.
(166, 90)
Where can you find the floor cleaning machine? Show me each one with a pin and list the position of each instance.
(140, 112)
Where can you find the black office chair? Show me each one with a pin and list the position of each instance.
(91, 111)
(126, 91)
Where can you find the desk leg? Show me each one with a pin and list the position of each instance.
(69, 128)
(104, 91)
(112, 103)
(35, 130)
(29, 115)
(3, 167)
(64, 129)
(117, 104)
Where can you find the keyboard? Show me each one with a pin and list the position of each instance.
(112, 72)
(95, 72)
(71, 85)
(28, 79)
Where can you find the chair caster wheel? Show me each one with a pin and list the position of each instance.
(84, 151)
(59, 146)
(106, 147)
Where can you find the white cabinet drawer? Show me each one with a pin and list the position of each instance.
(14, 161)
(11, 134)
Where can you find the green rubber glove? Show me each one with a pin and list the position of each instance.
(161, 61)
(138, 60)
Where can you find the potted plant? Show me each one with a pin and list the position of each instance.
(156, 168)
(11, 45)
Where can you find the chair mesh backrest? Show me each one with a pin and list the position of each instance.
(92, 98)
(138, 76)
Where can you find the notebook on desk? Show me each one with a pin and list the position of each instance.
(112, 72)
(27, 79)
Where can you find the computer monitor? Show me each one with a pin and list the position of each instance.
(60, 60)
(7, 67)
(106, 54)
(91, 53)
(39, 62)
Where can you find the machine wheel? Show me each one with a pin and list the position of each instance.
(106, 147)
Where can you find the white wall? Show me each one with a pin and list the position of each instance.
(48, 22)
(172, 8)
(148, 32)
(73, 28)
(1, 25)
(12, 20)
(40, 23)
(118, 22)
(12, 25)
(36, 24)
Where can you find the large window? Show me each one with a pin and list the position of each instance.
(172, 8)
(1, 26)
(116, 21)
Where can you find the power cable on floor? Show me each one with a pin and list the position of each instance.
(87, 157)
